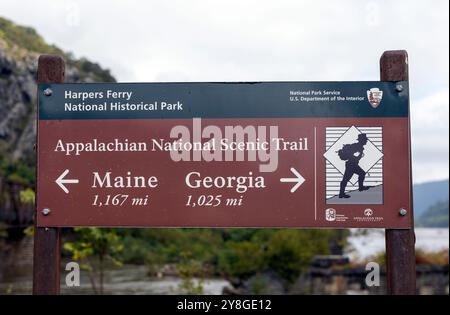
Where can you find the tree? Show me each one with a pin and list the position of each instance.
(102, 243)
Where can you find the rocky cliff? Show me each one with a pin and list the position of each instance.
(20, 48)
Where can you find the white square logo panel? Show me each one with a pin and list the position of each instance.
(371, 162)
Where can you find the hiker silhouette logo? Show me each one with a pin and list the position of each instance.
(354, 165)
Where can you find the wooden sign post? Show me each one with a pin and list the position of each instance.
(269, 154)
(400, 244)
(47, 246)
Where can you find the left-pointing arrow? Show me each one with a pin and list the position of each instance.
(61, 181)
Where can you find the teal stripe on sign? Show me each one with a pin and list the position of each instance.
(219, 100)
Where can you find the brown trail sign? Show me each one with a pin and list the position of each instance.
(268, 154)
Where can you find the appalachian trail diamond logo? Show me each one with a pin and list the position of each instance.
(374, 96)
(354, 165)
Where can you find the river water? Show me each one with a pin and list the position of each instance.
(364, 244)
(128, 279)
(131, 279)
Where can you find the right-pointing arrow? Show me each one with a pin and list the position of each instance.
(298, 179)
(61, 181)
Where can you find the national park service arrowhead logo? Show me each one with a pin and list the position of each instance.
(374, 96)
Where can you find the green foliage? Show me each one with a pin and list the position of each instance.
(259, 285)
(90, 241)
(290, 251)
(188, 268)
(202, 244)
(16, 170)
(439, 258)
(25, 37)
(3, 230)
(435, 216)
(136, 251)
(27, 196)
(155, 262)
(29, 231)
(241, 259)
(233, 253)
(94, 242)
(87, 67)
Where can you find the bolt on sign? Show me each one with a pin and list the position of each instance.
(270, 154)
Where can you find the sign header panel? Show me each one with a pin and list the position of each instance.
(271, 154)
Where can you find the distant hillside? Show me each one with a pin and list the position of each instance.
(435, 216)
(20, 48)
(429, 194)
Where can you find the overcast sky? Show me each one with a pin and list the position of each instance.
(256, 40)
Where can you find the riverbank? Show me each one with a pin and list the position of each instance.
(16, 271)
